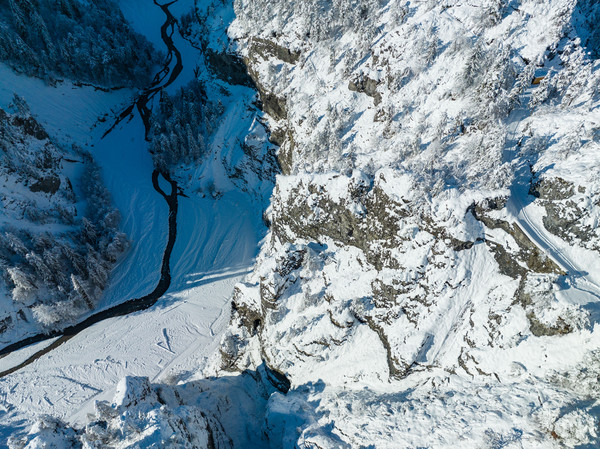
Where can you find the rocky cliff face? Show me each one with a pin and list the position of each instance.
(433, 238)
(431, 273)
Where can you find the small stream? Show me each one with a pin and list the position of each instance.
(165, 77)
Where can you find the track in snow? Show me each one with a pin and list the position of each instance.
(163, 79)
(518, 206)
(577, 275)
(130, 306)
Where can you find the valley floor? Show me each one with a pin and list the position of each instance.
(217, 240)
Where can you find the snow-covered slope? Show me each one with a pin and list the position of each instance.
(59, 235)
(69, 241)
(219, 225)
(430, 274)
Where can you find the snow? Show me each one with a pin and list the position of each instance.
(436, 347)
(18, 357)
(171, 338)
(217, 240)
(70, 115)
(457, 326)
(127, 169)
(68, 112)
(582, 265)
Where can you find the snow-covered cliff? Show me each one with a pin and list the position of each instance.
(431, 274)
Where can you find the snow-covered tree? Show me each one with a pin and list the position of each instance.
(88, 42)
(23, 288)
(179, 128)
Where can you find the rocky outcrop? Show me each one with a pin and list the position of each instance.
(30, 127)
(366, 85)
(568, 211)
(267, 49)
(368, 219)
(228, 67)
(529, 256)
(261, 50)
(271, 103)
(47, 184)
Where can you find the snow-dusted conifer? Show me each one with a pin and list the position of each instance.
(24, 288)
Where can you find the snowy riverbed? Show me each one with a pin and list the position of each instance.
(215, 247)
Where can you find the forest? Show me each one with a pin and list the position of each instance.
(59, 238)
(180, 127)
(87, 42)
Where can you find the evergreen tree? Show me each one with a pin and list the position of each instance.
(24, 288)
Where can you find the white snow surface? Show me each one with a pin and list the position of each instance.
(217, 240)
(428, 107)
(409, 287)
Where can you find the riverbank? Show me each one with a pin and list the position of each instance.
(219, 226)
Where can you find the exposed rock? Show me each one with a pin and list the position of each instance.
(266, 48)
(398, 368)
(564, 217)
(5, 323)
(384, 295)
(48, 184)
(3, 116)
(229, 67)
(272, 104)
(540, 329)
(249, 318)
(30, 127)
(529, 254)
(284, 138)
(552, 189)
(271, 289)
(366, 85)
(262, 49)
(379, 223)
